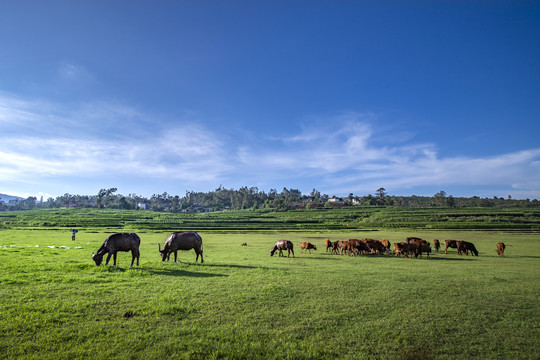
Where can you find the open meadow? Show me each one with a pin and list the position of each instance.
(243, 304)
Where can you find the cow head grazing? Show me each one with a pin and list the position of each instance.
(163, 253)
(97, 258)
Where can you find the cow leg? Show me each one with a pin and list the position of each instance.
(198, 252)
(134, 254)
(175, 256)
(108, 258)
(114, 258)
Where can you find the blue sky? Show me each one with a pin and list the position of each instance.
(340, 96)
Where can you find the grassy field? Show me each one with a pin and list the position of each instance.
(243, 304)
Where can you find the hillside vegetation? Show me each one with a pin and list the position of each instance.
(350, 218)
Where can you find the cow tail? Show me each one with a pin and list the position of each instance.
(200, 238)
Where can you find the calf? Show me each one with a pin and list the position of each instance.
(118, 242)
(283, 245)
(500, 249)
(328, 244)
(307, 246)
(401, 248)
(466, 246)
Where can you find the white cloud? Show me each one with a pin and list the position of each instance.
(42, 140)
(349, 159)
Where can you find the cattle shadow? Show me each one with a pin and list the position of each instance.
(319, 257)
(183, 273)
(231, 266)
(452, 258)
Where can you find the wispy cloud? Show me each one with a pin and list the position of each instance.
(337, 156)
(352, 159)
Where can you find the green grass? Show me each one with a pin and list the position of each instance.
(243, 304)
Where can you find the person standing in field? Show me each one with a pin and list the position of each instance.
(73, 232)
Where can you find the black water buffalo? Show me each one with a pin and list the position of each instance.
(118, 242)
(283, 245)
(181, 241)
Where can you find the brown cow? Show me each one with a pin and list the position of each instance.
(449, 244)
(335, 247)
(466, 246)
(500, 249)
(328, 244)
(283, 245)
(436, 245)
(375, 245)
(419, 246)
(244, 244)
(386, 244)
(305, 246)
(401, 248)
(423, 248)
(341, 245)
(358, 245)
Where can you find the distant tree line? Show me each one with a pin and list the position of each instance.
(252, 198)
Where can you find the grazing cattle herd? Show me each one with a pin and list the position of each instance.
(413, 246)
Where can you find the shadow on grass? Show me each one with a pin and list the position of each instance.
(231, 266)
(452, 258)
(183, 273)
(382, 257)
(319, 257)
